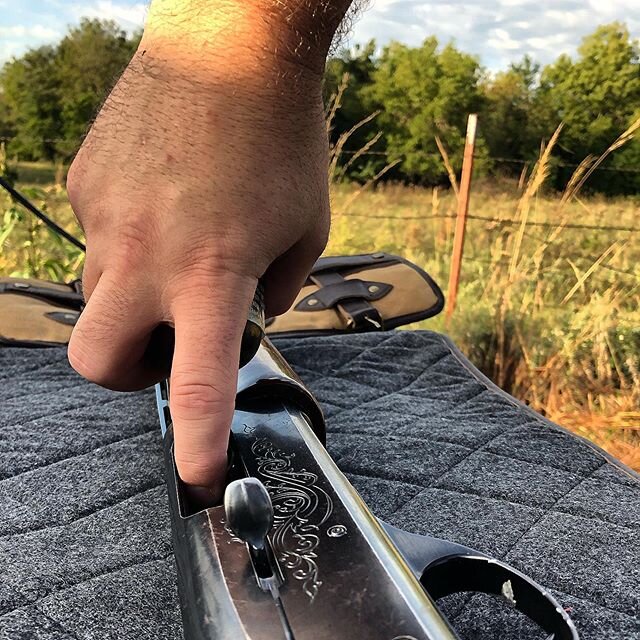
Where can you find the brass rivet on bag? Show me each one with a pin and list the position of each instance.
(374, 288)
(312, 303)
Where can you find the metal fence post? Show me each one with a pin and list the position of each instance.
(461, 218)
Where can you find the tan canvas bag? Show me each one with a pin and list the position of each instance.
(37, 313)
(368, 292)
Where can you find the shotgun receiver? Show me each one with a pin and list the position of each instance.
(295, 554)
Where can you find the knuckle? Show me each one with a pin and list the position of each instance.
(82, 196)
(74, 183)
(136, 240)
(318, 242)
(209, 278)
(88, 366)
(323, 234)
(76, 200)
(194, 399)
(204, 255)
(198, 274)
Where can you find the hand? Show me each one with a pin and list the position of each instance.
(205, 171)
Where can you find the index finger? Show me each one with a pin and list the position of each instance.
(209, 321)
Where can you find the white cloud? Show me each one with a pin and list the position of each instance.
(36, 22)
(500, 39)
(130, 16)
(36, 32)
(499, 31)
(9, 48)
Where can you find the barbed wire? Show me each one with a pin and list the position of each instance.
(513, 222)
(387, 154)
(502, 221)
(521, 161)
(582, 257)
(567, 225)
(383, 217)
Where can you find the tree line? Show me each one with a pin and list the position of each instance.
(395, 101)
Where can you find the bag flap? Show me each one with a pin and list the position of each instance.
(68, 295)
(27, 321)
(376, 291)
(344, 263)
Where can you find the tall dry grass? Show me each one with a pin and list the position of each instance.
(548, 310)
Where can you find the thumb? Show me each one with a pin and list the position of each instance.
(209, 316)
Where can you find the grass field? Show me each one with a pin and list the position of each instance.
(550, 313)
(549, 302)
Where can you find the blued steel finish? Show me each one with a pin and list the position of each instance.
(342, 576)
(444, 568)
(254, 327)
(269, 376)
(340, 573)
(208, 611)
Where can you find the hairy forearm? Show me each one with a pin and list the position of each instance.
(205, 171)
(255, 33)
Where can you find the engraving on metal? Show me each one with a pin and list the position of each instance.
(337, 531)
(300, 509)
(232, 536)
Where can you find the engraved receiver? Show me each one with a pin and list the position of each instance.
(295, 554)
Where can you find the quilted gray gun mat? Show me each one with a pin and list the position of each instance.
(432, 446)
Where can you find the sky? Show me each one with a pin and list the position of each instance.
(498, 31)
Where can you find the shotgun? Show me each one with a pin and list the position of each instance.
(295, 554)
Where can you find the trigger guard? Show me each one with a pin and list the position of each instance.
(444, 568)
(479, 573)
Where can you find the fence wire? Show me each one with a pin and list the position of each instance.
(396, 156)
(502, 159)
(500, 221)
(514, 222)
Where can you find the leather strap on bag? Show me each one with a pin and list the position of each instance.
(68, 295)
(358, 293)
(353, 304)
(343, 294)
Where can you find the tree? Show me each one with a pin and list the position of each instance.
(50, 94)
(6, 120)
(514, 118)
(30, 92)
(425, 92)
(88, 62)
(596, 95)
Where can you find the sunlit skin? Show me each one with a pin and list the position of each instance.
(205, 170)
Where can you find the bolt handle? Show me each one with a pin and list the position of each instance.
(249, 511)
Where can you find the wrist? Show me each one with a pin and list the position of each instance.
(254, 36)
